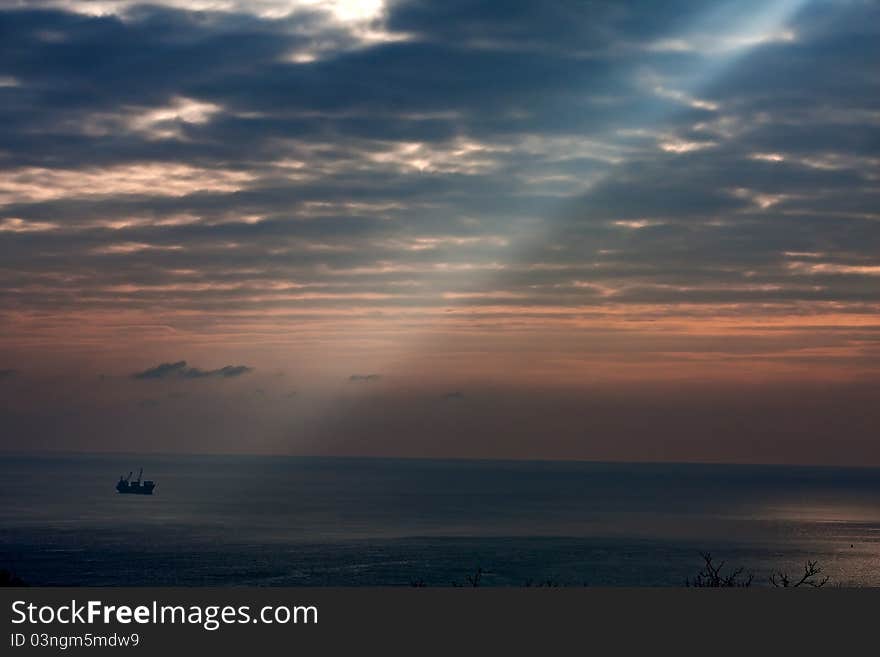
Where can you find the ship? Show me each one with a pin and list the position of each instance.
(137, 487)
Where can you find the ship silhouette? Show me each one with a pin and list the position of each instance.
(126, 486)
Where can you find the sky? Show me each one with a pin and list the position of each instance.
(618, 230)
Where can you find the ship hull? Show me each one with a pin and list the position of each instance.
(127, 486)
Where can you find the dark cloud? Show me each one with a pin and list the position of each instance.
(181, 370)
(364, 378)
(228, 371)
(512, 108)
(163, 371)
(8, 373)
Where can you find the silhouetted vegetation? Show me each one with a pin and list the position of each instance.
(8, 578)
(547, 583)
(473, 581)
(812, 577)
(713, 576)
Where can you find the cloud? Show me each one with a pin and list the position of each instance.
(364, 378)
(180, 370)
(8, 373)
(234, 181)
(228, 371)
(163, 371)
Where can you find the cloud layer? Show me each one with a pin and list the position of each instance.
(553, 193)
(180, 370)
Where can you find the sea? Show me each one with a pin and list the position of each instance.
(316, 521)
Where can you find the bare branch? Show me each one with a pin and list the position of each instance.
(712, 576)
(812, 577)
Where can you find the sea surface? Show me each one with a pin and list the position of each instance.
(289, 521)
